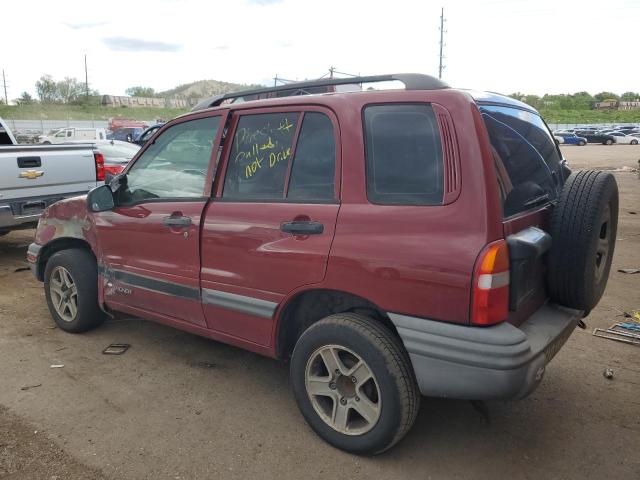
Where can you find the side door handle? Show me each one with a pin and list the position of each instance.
(29, 162)
(302, 228)
(177, 221)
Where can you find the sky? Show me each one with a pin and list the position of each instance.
(534, 46)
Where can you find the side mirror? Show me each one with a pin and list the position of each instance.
(100, 199)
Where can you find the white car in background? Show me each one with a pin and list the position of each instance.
(624, 139)
(66, 135)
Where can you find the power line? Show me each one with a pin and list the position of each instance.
(442, 32)
(4, 83)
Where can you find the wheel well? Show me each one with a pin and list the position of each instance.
(314, 305)
(55, 246)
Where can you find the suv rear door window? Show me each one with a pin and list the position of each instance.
(527, 160)
(403, 155)
(314, 163)
(260, 155)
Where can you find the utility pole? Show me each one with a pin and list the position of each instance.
(442, 20)
(4, 83)
(331, 70)
(86, 78)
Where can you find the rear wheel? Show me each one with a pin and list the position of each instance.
(583, 232)
(634, 142)
(354, 384)
(71, 289)
(582, 143)
(608, 141)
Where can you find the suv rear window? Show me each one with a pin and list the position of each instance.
(527, 160)
(403, 155)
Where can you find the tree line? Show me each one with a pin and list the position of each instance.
(572, 101)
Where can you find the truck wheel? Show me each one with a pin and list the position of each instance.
(583, 233)
(354, 384)
(71, 289)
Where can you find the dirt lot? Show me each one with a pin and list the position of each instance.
(179, 406)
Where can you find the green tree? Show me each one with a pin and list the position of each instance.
(47, 89)
(599, 97)
(630, 96)
(69, 89)
(140, 92)
(24, 99)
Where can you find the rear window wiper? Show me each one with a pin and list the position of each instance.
(539, 200)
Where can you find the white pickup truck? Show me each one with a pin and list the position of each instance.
(32, 177)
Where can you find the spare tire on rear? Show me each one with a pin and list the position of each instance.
(583, 232)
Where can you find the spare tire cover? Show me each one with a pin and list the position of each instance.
(583, 235)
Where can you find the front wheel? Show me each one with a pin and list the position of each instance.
(634, 142)
(582, 143)
(608, 142)
(71, 289)
(354, 384)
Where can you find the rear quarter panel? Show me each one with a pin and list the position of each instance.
(415, 260)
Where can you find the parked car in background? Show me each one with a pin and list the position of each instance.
(32, 177)
(71, 134)
(624, 139)
(126, 134)
(116, 155)
(389, 243)
(148, 133)
(597, 137)
(571, 139)
(6, 137)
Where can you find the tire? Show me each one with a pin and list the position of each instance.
(46, 143)
(81, 268)
(391, 393)
(608, 142)
(582, 143)
(583, 232)
(634, 142)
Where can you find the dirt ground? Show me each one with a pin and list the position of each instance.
(176, 406)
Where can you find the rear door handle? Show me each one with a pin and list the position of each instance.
(302, 228)
(29, 162)
(177, 221)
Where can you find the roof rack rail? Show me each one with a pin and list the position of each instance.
(412, 81)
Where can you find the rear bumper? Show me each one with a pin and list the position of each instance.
(9, 221)
(481, 363)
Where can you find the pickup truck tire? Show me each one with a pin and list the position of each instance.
(367, 397)
(71, 289)
(583, 232)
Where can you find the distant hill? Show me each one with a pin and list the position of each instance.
(204, 88)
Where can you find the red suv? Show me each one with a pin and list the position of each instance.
(390, 243)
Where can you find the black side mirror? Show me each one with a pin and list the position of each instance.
(100, 199)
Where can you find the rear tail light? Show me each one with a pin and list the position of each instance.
(113, 170)
(490, 295)
(99, 158)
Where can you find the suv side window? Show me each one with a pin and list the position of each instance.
(260, 156)
(314, 162)
(174, 166)
(403, 155)
(526, 155)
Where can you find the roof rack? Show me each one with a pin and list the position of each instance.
(412, 81)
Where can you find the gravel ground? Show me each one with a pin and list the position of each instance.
(179, 406)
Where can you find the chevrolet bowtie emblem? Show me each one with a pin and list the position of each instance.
(31, 174)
